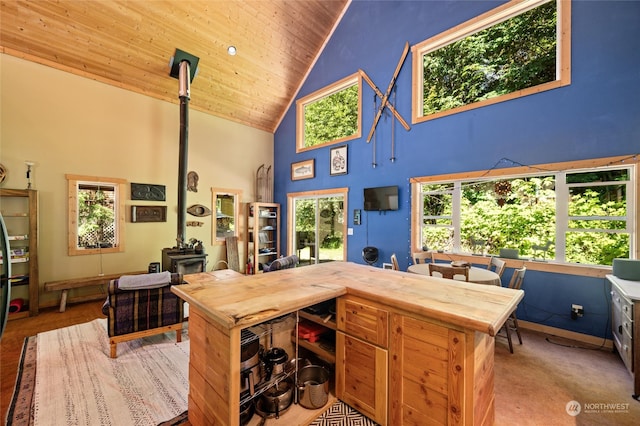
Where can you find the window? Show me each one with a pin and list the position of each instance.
(318, 227)
(517, 49)
(575, 215)
(597, 219)
(96, 215)
(226, 204)
(330, 115)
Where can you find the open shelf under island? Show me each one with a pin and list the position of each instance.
(391, 328)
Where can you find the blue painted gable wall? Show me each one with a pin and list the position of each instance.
(598, 115)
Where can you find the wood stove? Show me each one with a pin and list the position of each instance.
(183, 258)
(183, 261)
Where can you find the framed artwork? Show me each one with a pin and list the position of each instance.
(338, 160)
(303, 170)
(148, 213)
(148, 192)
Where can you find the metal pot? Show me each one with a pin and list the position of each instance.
(246, 410)
(296, 364)
(274, 361)
(249, 350)
(313, 386)
(250, 368)
(277, 398)
(250, 377)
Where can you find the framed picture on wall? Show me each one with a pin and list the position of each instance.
(303, 170)
(338, 160)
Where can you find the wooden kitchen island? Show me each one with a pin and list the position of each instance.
(410, 349)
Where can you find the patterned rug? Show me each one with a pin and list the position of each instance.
(66, 377)
(340, 414)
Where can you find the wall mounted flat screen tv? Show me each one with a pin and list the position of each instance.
(381, 198)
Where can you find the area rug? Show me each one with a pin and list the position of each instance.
(340, 414)
(67, 377)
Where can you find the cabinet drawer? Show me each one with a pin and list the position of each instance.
(622, 322)
(360, 319)
(626, 351)
(627, 308)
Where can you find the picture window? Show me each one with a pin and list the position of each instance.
(514, 50)
(329, 115)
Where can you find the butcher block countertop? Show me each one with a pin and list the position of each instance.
(235, 300)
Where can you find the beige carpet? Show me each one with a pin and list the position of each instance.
(534, 385)
(78, 383)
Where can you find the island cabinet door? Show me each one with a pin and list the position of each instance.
(439, 375)
(361, 376)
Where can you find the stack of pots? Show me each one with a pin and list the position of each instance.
(250, 366)
(279, 397)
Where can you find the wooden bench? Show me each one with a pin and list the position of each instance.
(66, 285)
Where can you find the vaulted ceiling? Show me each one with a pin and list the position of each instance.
(130, 44)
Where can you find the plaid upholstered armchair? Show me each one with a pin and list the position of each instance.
(142, 305)
(285, 262)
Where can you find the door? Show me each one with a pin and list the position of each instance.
(319, 227)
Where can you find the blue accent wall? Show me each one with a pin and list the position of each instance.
(598, 115)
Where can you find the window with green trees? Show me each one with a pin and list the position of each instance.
(329, 115)
(573, 216)
(514, 50)
(96, 215)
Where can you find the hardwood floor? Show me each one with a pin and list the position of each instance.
(532, 385)
(17, 330)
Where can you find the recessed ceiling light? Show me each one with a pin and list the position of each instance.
(231, 50)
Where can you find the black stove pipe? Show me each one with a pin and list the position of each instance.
(184, 95)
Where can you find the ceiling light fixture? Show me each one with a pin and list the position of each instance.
(231, 50)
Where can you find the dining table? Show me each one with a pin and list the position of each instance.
(476, 275)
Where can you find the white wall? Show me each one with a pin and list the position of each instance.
(70, 124)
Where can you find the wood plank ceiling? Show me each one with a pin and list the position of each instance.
(129, 44)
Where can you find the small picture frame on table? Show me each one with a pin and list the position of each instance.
(303, 170)
(338, 161)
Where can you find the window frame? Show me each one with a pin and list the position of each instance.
(323, 193)
(481, 22)
(560, 170)
(237, 194)
(119, 185)
(353, 79)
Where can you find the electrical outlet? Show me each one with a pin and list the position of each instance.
(576, 311)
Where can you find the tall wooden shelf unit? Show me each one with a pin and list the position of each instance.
(20, 212)
(263, 227)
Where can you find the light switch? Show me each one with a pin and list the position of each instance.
(349, 231)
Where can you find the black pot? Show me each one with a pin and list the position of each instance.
(274, 361)
(246, 410)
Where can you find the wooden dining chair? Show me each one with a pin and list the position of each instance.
(422, 257)
(394, 262)
(497, 265)
(511, 324)
(448, 271)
